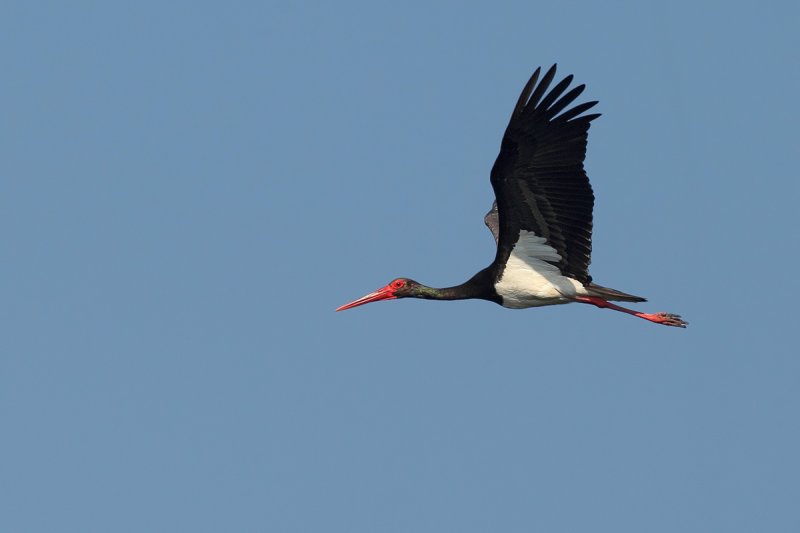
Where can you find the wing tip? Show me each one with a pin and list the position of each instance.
(527, 90)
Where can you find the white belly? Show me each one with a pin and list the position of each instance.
(529, 280)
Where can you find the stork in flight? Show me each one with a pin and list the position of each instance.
(542, 216)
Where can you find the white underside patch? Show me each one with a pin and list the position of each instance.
(529, 280)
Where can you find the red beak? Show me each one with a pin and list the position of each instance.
(386, 293)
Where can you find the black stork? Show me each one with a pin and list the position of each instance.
(542, 216)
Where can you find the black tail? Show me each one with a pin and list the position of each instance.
(612, 294)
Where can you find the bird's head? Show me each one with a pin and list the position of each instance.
(397, 288)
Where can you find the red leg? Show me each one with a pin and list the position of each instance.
(668, 319)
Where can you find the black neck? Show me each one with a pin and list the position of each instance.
(480, 286)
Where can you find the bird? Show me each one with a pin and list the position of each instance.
(541, 218)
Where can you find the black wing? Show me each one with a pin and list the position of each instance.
(538, 178)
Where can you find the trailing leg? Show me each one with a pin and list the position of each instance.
(668, 319)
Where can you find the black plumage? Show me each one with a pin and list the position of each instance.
(538, 177)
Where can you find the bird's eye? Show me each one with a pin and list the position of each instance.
(398, 283)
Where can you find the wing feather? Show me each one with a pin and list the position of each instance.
(541, 88)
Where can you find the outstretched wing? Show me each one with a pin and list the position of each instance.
(538, 177)
(492, 221)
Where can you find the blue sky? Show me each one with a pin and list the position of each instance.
(189, 189)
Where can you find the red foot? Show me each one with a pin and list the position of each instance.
(668, 319)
